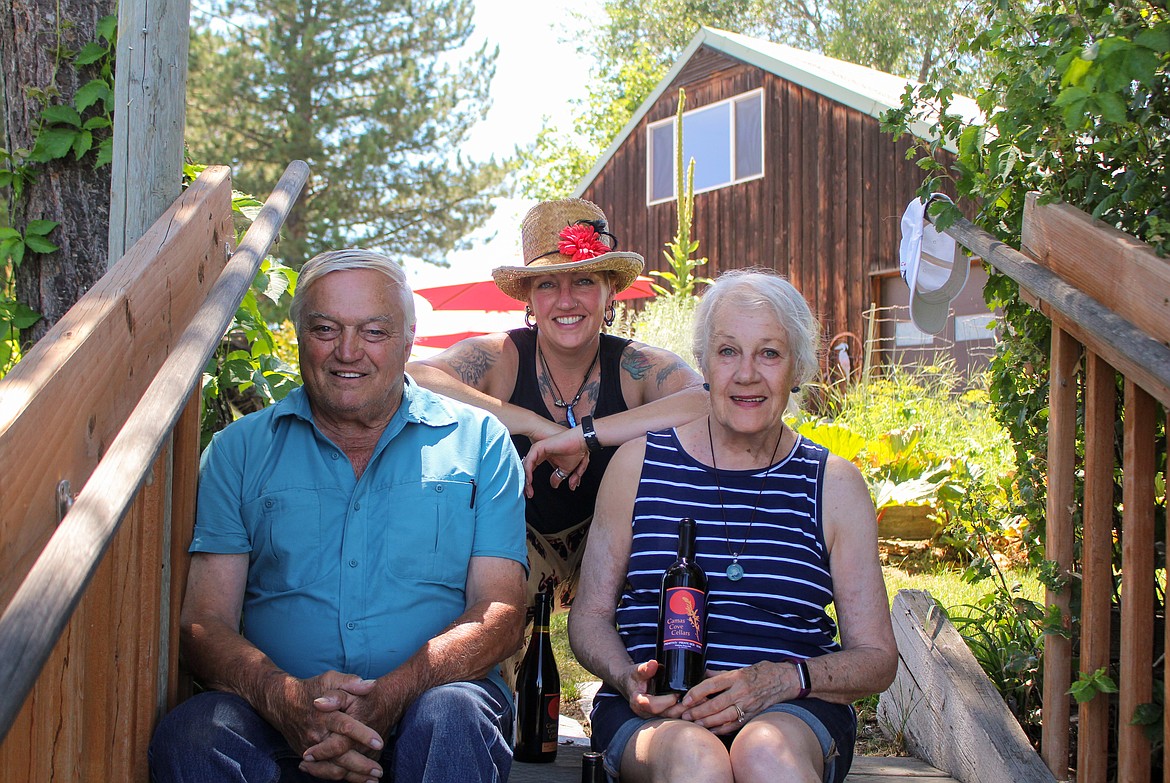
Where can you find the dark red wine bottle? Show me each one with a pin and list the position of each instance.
(592, 770)
(682, 619)
(538, 693)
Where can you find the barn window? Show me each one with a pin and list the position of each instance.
(726, 139)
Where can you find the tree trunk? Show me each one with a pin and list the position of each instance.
(37, 38)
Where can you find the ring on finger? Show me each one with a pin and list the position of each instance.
(741, 716)
(561, 474)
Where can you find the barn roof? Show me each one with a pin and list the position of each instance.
(866, 90)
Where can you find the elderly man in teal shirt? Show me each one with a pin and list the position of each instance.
(358, 566)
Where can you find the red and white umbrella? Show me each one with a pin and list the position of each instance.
(484, 295)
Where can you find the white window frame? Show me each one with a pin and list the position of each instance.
(731, 147)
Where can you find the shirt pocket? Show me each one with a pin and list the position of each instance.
(285, 528)
(429, 532)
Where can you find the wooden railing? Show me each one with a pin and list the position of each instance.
(1108, 297)
(106, 408)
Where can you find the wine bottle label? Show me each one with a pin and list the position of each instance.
(551, 722)
(682, 625)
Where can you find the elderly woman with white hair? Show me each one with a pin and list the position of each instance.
(784, 529)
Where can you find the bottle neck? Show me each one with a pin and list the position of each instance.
(686, 539)
(540, 618)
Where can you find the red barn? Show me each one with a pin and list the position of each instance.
(792, 173)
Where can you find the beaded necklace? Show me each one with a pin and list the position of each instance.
(735, 570)
(560, 401)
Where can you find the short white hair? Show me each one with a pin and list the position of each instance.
(762, 288)
(352, 258)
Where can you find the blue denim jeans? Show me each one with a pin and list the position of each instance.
(450, 734)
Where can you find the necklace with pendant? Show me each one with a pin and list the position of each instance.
(735, 570)
(560, 400)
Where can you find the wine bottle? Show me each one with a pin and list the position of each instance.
(682, 619)
(592, 770)
(538, 692)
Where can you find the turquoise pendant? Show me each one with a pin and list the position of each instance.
(735, 572)
(571, 417)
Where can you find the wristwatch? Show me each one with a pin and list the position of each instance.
(802, 674)
(591, 441)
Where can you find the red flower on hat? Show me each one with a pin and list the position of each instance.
(581, 242)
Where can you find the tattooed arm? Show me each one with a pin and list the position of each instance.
(660, 389)
(481, 371)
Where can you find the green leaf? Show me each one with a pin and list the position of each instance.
(1088, 685)
(7, 233)
(13, 250)
(105, 153)
(1076, 71)
(1071, 95)
(90, 93)
(40, 245)
(1112, 107)
(41, 228)
(1146, 714)
(23, 316)
(62, 115)
(107, 26)
(53, 144)
(91, 53)
(1157, 38)
(82, 144)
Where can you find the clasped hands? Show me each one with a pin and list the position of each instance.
(711, 704)
(337, 723)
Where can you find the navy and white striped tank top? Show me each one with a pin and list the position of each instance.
(778, 609)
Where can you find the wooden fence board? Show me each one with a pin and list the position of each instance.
(1137, 583)
(96, 706)
(1096, 563)
(1062, 464)
(70, 395)
(1109, 334)
(1119, 271)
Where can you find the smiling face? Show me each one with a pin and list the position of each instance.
(569, 307)
(749, 367)
(353, 347)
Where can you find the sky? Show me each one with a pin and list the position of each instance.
(535, 77)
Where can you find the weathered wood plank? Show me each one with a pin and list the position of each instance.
(1058, 546)
(146, 170)
(952, 716)
(1118, 270)
(1126, 347)
(45, 600)
(1096, 563)
(1137, 583)
(70, 395)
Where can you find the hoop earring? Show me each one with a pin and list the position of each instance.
(610, 315)
(529, 320)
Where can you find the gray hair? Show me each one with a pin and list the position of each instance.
(353, 258)
(755, 288)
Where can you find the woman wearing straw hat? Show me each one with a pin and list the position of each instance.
(563, 372)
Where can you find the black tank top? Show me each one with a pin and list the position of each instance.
(553, 510)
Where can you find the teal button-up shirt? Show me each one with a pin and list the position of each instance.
(356, 574)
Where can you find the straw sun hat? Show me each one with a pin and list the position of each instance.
(570, 235)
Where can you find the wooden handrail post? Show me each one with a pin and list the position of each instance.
(1062, 454)
(1096, 563)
